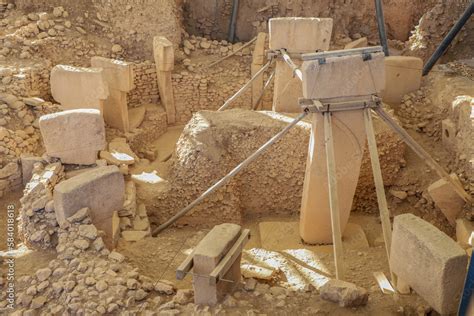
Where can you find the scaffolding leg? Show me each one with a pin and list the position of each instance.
(379, 187)
(333, 198)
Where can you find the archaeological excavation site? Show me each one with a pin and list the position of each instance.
(236, 157)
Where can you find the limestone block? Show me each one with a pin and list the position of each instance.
(164, 53)
(343, 76)
(27, 164)
(101, 190)
(429, 261)
(259, 50)
(293, 34)
(8, 170)
(119, 77)
(118, 74)
(465, 233)
(449, 134)
(402, 75)
(361, 42)
(207, 256)
(74, 136)
(349, 139)
(79, 88)
(446, 199)
(300, 35)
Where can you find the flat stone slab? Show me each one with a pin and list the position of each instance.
(428, 261)
(101, 190)
(74, 136)
(446, 199)
(345, 76)
(117, 73)
(78, 87)
(403, 75)
(300, 35)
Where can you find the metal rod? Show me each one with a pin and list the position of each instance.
(448, 38)
(333, 197)
(379, 187)
(294, 68)
(233, 53)
(230, 175)
(423, 154)
(381, 26)
(267, 84)
(233, 20)
(245, 87)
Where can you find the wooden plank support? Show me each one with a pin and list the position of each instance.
(379, 187)
(185, 267)
(333, 198)
(226, 263)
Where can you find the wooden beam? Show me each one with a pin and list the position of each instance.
(333, 197)
(226, 263)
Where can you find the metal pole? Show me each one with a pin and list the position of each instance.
(233, 20)
(449, 38)
(230, 175)
(267, 84)
(381, 26)
(245, 87)
(423, 154)
(233, 53)
(292, 65)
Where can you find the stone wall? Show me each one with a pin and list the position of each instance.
(211, 17)
(146, 85)
(26, 81)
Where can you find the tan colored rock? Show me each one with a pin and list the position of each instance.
(74, 136)
(446, 198)
(361, 42)
(119, 77)
(402, 76)
(346, 76)
(448, 134)
(349, 139)
(293, 34)
(79, 88)
(164, 59)
(101, 190)
(207, 256)
(429, 261)
(134, 235)
(465, 233)
(344, 293)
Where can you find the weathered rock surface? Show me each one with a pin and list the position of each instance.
(213, 143)
(344, 293)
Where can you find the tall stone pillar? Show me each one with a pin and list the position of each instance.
(257, 63)
(119, 77)
(164, 60)
(297, 35)
(347, 77)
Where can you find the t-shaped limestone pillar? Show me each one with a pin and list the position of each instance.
(79, 88)
(339, 77)
(257, 64)
(164, 60)
(119, 78)
(297, 35)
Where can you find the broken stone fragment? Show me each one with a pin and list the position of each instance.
(9, 170)
(402, 195)
(117, 158)
(116, 256)
(446, 198)
(344, 293)
(132, 235)
(79, 216)
(164, 287)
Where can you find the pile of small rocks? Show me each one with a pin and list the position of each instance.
(38, 226)
(86, 278)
